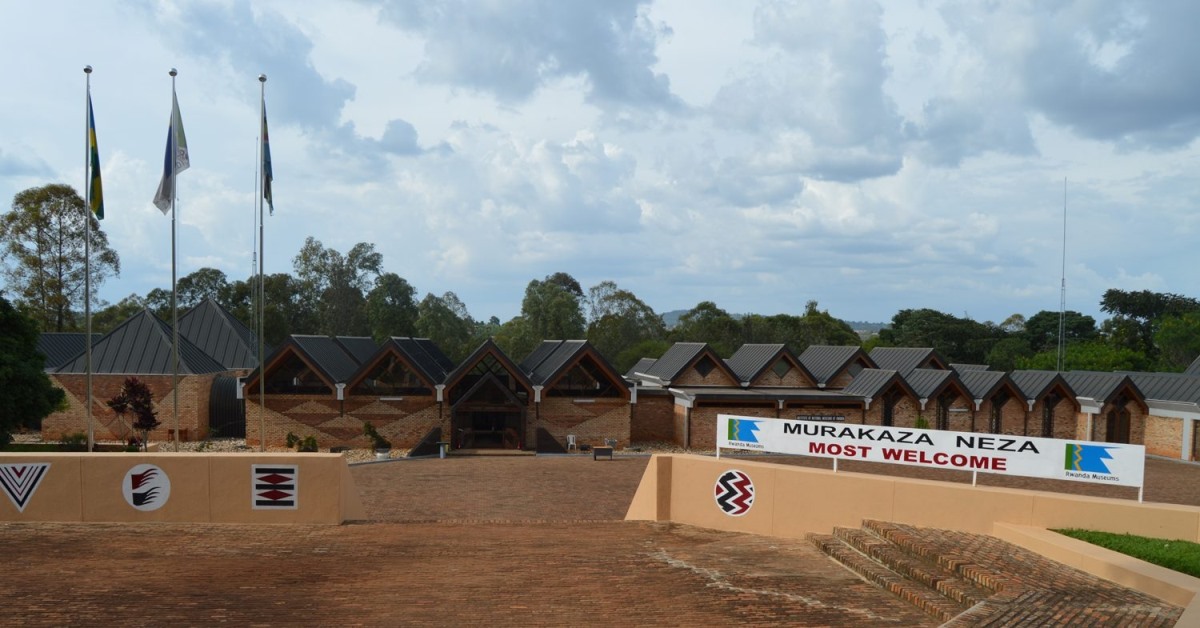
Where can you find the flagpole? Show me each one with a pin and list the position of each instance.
(262, 290)
(87, 252)
(174, 310)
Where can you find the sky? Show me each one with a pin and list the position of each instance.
(870, 156)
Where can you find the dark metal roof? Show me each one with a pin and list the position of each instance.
(61, 347)
(928, 382)
(328, 355)
(1168, 386)
(1194, 368)
(142, 346)
(642, 366)
(824, 362)
(677, 358)
(982, 384)
(361, 348)
(1035, 384)
(870, 383)
(766, 394)
(488, 347)
(425, 356)
(750, 360)
(219, 334)
(905, 359)
(562, 353)
(1098, 386)
(970, 367)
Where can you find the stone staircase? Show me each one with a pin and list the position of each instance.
(971, 580)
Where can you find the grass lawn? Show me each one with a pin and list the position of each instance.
(1181, 556)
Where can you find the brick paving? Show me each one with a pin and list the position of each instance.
(461, 541)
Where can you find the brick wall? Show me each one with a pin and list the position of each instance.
(704, 421)
(652, 418)
(340, 424)
(591, 423)
(1164, 436)
(716, 377)
(194, 393)
(794, 378)
(904, 413)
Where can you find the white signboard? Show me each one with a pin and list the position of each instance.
(1082, 461)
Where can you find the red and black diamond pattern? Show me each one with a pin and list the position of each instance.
(274, 486)
(734, 493)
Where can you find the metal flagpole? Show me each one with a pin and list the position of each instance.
(262, 290)
(87, 252)
(174, 311)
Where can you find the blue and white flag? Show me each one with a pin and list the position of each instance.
(175, 160)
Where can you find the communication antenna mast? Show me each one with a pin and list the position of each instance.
(1062, 301)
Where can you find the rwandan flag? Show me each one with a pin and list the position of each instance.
(267, 175)
(96, 190)
(175, 161)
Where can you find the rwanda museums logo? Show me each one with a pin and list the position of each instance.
(1088, 462)
(743, 430)
(734, 493)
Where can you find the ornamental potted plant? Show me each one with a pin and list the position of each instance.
(382, 446)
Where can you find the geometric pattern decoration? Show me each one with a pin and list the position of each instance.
(379, 407)
(20, 481)
(146, 487)
(734, 493)
(274, 486)
(312, 407)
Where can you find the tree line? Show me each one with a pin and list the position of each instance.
(333, 293)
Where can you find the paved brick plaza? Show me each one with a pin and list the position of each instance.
(461, 541)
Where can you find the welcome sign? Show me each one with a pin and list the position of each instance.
(1081, 461)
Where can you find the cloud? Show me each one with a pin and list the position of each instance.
(12, 165)
(512, 49)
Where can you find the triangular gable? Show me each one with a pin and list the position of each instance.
(983, 385)
(826, 362)
(586, 368)
(142, 345)
(489, 353)
(706, 368)
(873, 384)
(1037, 384)
(299, 366)
(391, 371)
(778, 367)
(933, 383)
(907, 359)
(1104, 387)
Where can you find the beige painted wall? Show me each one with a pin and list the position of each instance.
(204, 488)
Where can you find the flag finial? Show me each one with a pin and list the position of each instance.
(173, 72)
(262, 78)
(87, 69)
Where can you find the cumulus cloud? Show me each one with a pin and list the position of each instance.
(512, 49)
(12, 165)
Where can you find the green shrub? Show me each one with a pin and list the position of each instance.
(377, 440)
(302, 444)
(75, 441)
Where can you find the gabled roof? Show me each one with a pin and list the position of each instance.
(489, 347)
(142, 345)
(970, 367)
(1101, 387)
(752, 360)
(871, 383)
(221, 335)
(361, 348)
(560, 357)
(824, 362)
(929, 383)
(61, 347)
(1168, 386)
(905, 359)
(642, 366)
(1194, 368)
(416, 353)
(679, 357)
(981, 384)
(1036, 384)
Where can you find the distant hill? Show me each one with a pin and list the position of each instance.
(864, 329)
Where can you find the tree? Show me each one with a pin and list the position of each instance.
(644, 349)
(285, 314)
(957, 339)
(28, 393)
(553, 308)
(619, 320)
(42, 245)
(1136, 316)
(392, 307)
(446, 322)
(1008, 352)
(135, 398)
(1041, 329)
(1088, 356)
(202, 284)
(112, 315)
(1178, 341)
(708, 323)
(335, 285)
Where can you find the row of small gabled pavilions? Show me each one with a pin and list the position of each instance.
(825, 379)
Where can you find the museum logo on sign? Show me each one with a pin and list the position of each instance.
(146, 487)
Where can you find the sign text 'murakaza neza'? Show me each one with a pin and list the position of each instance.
(1084, 461)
